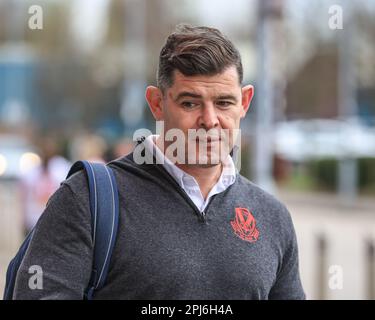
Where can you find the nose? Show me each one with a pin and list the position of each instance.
(208, 118)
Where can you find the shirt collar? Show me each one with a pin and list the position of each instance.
(185, 180)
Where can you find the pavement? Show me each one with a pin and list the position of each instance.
(334, 239)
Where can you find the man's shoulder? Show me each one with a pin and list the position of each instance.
(78, 188)
(252, 188)
(262, 198)
(77, 182)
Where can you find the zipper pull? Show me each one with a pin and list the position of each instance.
(203, 215)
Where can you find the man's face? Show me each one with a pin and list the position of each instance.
(209, 103)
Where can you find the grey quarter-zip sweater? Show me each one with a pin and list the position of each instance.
(243, 246)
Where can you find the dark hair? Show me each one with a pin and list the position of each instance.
(196, 51)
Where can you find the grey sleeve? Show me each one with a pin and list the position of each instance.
(60, 250)
(288, 284)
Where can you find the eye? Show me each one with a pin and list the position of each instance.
(224, 103)
(189, 104)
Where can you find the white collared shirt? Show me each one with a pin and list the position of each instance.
(188, 182)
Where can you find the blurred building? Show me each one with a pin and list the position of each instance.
(18, 94)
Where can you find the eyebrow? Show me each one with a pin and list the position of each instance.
(187, 94)
(227, 97)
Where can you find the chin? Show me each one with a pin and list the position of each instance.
(204, 165)
(208, 161)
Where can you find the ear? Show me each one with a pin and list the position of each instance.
(154, 99)
(247, 96)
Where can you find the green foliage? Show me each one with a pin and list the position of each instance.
(366, 174)
(322, 175)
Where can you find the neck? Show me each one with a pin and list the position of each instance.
(205, 175)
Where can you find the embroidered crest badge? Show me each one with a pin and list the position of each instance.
(244, 225)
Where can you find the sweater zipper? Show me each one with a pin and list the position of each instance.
(201, 215)
(204, 212)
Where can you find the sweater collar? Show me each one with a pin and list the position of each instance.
(185, 180)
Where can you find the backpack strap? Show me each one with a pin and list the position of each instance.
(13, 267)
(104, 207)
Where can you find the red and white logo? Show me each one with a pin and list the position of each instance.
(244, 225)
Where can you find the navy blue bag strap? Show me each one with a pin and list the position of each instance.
(13, 267)
(104, 207)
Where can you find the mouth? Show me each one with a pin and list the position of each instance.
(208, 140)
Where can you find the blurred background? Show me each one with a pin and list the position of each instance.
(72, 81)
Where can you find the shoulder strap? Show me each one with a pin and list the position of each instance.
(104, 207)
(13, 267)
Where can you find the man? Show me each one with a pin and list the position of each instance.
(191, 227)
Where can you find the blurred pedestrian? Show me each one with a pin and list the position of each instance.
(90, 147)
(41, 181)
